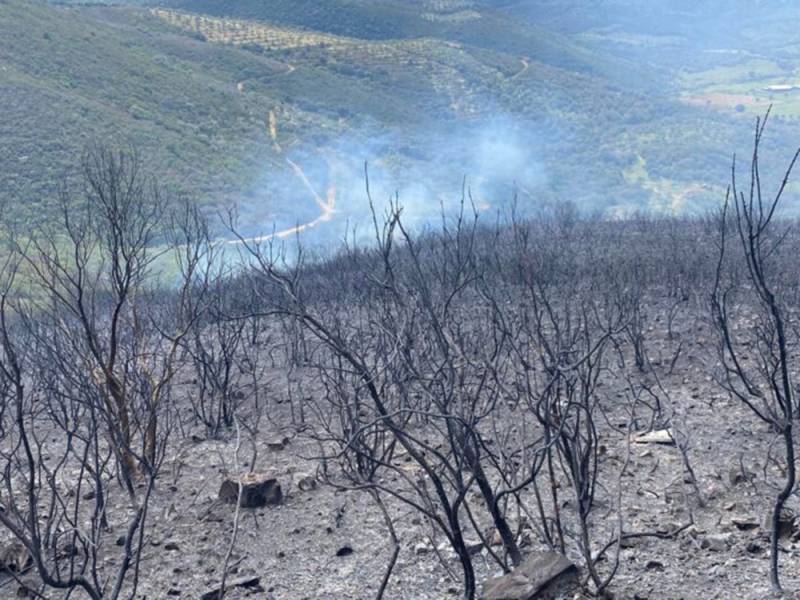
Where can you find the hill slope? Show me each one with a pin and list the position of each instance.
(70, 76)
(278, 110)
(460, 21)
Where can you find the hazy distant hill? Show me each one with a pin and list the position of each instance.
(228, 99)
(464, 21)
(752, 24)
(70, 76)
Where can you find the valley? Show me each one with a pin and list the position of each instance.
(399, 299)
(422, 101)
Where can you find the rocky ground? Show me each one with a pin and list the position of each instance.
(318, 542)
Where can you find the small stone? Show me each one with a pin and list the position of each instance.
(657, 436)
(171, 546)
(306, 483)
(754, 548)
(716, 543)
(421, 548)
(654, 565)
(257, 490)
(344, 551)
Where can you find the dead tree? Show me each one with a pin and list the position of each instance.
(749, 311)
(94, 266)
(418, 370)
(560, 328)
(214, 344)
(356, 450)
(57, 498)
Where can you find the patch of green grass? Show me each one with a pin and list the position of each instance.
(744, 86)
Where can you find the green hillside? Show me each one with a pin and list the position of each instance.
(73, 76)
(455, 20)
(277, 111)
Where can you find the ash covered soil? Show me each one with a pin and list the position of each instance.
(328, 543)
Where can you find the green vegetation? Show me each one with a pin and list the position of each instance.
(400, 19)
(72, 76)
(749, 86)
(408, 86)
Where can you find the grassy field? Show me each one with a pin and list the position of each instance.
(749, 86)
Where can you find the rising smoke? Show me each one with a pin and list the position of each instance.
(488, 162)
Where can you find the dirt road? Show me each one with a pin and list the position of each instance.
(525, 66)
(326, 205)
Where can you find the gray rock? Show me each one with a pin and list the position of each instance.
(251, 584)
(278, 443)
(744, 523)
(786, 522)
(14, 558)
(716, 543)
(257, 490)
(657, 436)
(528, 579)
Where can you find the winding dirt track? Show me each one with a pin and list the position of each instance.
(326, 205)
(525, 66)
